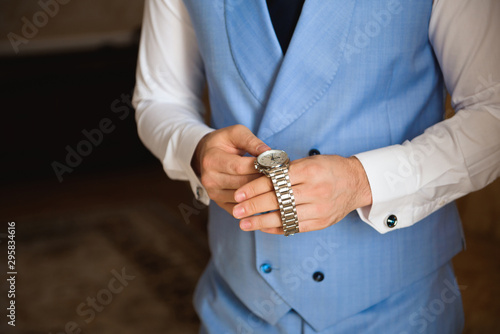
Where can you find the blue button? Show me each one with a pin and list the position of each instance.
(314, 152)
(266, 268)
(318, 276)
(391, 221)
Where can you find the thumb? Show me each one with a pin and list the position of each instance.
(243, 139)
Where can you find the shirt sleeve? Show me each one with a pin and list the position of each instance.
(458, 155)
(169, 85)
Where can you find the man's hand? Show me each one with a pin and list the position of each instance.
(326, 189)
(219, 161)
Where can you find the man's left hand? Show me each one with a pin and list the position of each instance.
(326, 188)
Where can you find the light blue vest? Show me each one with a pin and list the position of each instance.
(358, 75)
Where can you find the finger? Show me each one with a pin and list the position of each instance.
(264, 184)
(305, 226)
(232, 164)
(226, 206)
(265, 221)
(297, 172)
(230, 182)
(268, 201)
(305, 214)
(254, 188)
(221, 196)
(242, 138)
(262, 203)
(273, 230)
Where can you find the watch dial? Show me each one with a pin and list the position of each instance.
(272, 158)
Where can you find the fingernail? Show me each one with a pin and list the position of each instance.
(239, 211)
(245, 225)
(263, 148)
(240, 197)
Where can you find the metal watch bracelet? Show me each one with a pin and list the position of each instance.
(286, 200)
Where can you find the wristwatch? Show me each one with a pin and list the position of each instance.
(274, 164)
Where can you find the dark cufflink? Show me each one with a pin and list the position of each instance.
(391, 221)
(199, 193)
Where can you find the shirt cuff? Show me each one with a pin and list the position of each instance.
(177, 162)
(392, 182)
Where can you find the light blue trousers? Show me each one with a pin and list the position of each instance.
(431, 305)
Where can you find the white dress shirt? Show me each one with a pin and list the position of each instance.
(451, 159)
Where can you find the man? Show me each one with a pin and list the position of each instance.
(355, 98)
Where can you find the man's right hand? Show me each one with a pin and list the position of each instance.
(219, 160)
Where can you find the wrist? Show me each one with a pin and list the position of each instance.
(362, 186)
(197, 155)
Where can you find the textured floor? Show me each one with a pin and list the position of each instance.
(67, 259)
(74, 238)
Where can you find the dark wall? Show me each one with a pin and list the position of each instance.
(49, 103)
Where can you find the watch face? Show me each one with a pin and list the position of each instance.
(273, 158)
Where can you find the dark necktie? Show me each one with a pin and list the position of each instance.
(284, 15)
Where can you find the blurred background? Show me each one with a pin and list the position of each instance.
(105, 242)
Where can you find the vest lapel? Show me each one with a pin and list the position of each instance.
(255, 49)
(310, 64)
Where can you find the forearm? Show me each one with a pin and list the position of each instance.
(167, 96)
(450, 160)
(171, 133)
(458, 155)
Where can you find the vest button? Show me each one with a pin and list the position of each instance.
(318, 276)
(391, 221)
(266, 268)
(314, 152)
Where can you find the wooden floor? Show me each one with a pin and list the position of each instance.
(73, 236)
